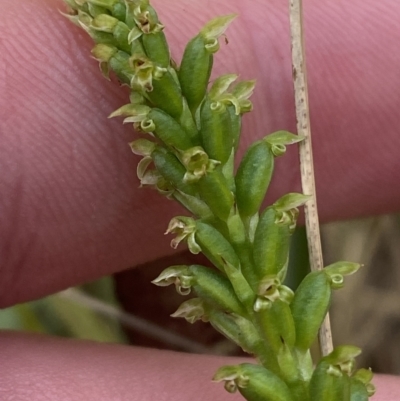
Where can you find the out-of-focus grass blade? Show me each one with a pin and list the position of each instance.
(21, 317)
(79, 321)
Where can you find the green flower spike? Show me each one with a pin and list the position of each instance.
(185, 229)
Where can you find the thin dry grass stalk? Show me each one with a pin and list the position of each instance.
(306, 156)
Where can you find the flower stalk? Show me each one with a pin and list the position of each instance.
(188, 140)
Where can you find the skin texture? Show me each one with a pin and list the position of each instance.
(70, 207)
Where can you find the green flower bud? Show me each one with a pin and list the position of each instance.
(118, 10)
(290, 372)
(120, 33)
(215, 132)
(309, 307)
(104, 23)
(254, 382)
(237, 231)
(329, 384)
(94, 11)
(188, 123)
(215, 246)
(227, 325)
(192, 203)
(276, 324)
(166, 95)
(156, 47)
(271, 246)
(84, 20)
(253, 178)
(119, 63)
(216, 289)
(214, 190)
(241, 286)
(172, 170)
(196, 62)
(168, 130)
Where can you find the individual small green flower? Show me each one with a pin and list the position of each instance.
(185, 229)
(243, 91)
(287, 209)
(136, 114)
(271, 289)
(103, 54)
(148, 177)
(144, 72)
(179, 276)
(142, 147)
(280, 139)
(104, 23)
(197, 164)
(192, 310)
(214, 29)
(254, 382)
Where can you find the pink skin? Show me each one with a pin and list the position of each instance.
(70, 206)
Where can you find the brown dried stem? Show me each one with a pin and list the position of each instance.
(306, 156)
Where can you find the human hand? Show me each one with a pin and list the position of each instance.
(70, 207)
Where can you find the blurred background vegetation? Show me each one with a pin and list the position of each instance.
(128, 309)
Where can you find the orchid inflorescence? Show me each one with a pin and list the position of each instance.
(189, 139)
